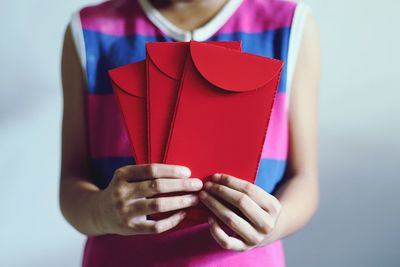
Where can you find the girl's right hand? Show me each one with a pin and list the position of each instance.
(123, 205)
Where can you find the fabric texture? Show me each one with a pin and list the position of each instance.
(113, 34)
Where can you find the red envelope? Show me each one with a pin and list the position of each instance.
(129, 84)
(222, 113)
(164, 63)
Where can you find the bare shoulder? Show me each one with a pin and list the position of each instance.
(311, 28)
(303, 107)
(310, 51)
(74, 139)
(71, 69)
(308, 66)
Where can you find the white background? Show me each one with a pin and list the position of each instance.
(357, 224)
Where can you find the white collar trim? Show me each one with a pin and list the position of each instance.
(199, 34)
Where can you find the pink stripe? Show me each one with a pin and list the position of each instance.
(276, 142)
(189, 247)
(126, 17)
(108, 136)
(118, 17)
(259, 16)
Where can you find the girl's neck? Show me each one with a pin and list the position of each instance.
(188, 14)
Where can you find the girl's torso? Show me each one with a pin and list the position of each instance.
(113, 34)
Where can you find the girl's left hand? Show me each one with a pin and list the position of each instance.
(260, 208)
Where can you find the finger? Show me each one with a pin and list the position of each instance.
(162, 204)
(224, 240)
(134, 173)
(259, 217)
(156, 227)
(163, 185)
(231, 219)
(265, 200)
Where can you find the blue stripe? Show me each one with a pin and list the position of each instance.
(270, 171)
(104, 52)
(102, 169)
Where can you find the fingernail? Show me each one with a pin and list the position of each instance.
(196, 184)
(203, 195)
(216, 176)
(207, 185)
(185, 171)
(191, 200)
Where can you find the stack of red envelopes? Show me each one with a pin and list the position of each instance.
(204, 105)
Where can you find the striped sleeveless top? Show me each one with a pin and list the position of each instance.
(113, 34)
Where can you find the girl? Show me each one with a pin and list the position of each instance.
(103, 193)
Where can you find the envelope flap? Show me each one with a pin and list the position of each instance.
(233, 70)
(167, 57)
(130, 78)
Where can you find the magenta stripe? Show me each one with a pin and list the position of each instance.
(126, 17)
(118, 17)
(108, 136)
(193, 246)
(276, 142)
(110, 139)
(251, 16)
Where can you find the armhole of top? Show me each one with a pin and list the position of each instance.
(296, 33)
(77, 36)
